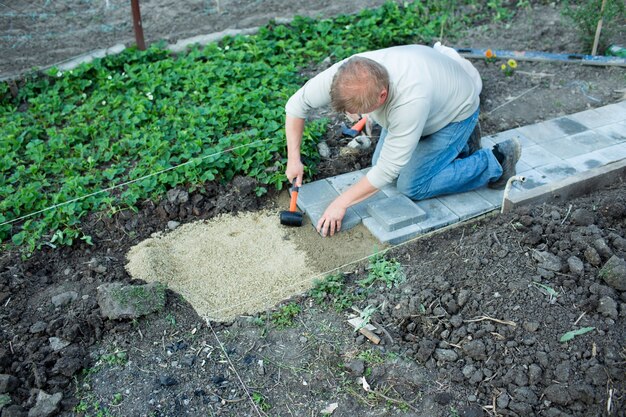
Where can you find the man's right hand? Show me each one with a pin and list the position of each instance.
(295, 169)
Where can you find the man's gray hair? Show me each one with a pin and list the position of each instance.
(357, 85)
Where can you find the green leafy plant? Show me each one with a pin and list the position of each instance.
(586, 14)
(388, 272)
(509, 68)
(572, 334)
(285, 315)
(262, 402)
(117, 358)
(333, 290)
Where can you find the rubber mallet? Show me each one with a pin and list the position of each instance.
(355, 129)
(292, 217)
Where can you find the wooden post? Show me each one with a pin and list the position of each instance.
(598, 29)
(141, 44)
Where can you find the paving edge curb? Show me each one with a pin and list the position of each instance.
(572, 186)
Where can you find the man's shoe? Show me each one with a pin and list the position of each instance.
(473, 143)
(510, 150)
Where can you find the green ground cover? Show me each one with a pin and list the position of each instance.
(81, 136)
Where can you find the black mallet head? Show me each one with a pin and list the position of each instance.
(292, 217)
(355, 129)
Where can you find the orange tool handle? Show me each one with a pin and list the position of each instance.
(294, 196)
(358, 126)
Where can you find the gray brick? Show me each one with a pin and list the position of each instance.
(344, 181)
(361, 208)
(393, 238)
(466, 205)
(491, 195)
(570, 126)
(593, 118)
(533, 179)
(557, 171)
(315, 193)
(614, 112)
(614, 153)
(438, 215)
(394, 213)
(535, 156)
(616, 131)
(587, 161)
(542, 132)
(563, 148)
(350, 220)
(513, 133)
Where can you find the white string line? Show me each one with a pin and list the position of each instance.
(208, 322)
(131, 181)
(323, 274)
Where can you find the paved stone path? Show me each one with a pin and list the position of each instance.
(551, 151)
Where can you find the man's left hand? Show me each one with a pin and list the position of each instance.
(330, 222)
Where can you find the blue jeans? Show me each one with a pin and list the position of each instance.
(440, 164)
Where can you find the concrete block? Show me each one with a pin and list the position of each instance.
(438, 215)
(535, 156)
(616, 131)
(593, 118)
(570, 126)
(587, 161)
(344, 181)
(350, 220)
(513, 133)
(557, 171)
(542, 132)
(466, 205)
(564, 148)
(395, 237)
(394, 213)
(614, 153)
(315, 193)
(391, 190)
(614, 112)
(491, 195)
(534, 179)
(361, 208)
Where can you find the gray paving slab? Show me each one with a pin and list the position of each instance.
(350, 220)
(535, 156)
(390, 190)
(557, 171)
(344, 181)
(315, 193)
(593, 118)
(394, 213)
(614, 112)
(466, 205)
(395, 237)
(587, 161)
(542, 132)
(616, 131)
(614, 153)
(534, 179)
(438, 215)
(491, 195)
(570, 126)
(513, 133)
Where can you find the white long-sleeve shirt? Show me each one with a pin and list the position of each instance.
(427, 91)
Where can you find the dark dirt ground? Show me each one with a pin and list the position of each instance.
(470, 332)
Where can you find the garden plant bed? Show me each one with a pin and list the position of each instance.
(473, 330)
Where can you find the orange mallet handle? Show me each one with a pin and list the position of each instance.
(294, 196)
(358, 126)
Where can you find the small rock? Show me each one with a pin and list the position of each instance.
(446, 355)
(38, 327)
(117, 301)
(534, 374)
(525, 395)
(64, 298)
(426, 348)
(547, 260)
(443, 398)
(475, 349)
(360, 142)
(57, 344)
(576, 266)
(614, 273)
(323, 149)
(592, 256)
(602, 248)
(8, 383)
(531, 326)
(46, 405)
(476, 377)
(562, 372)
(463, 297)
(468, 371)
(503, 401)
(608, 307)
(356, 366)
(167, 381)
(596, 375)
(456, 321)
(582, 217)
(172, 224)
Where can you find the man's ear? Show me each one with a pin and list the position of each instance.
(382, 96)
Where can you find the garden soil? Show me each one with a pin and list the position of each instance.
(474, 329)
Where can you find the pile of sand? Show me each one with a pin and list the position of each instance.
(235, 265)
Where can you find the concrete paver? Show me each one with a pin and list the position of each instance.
(552, 151)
